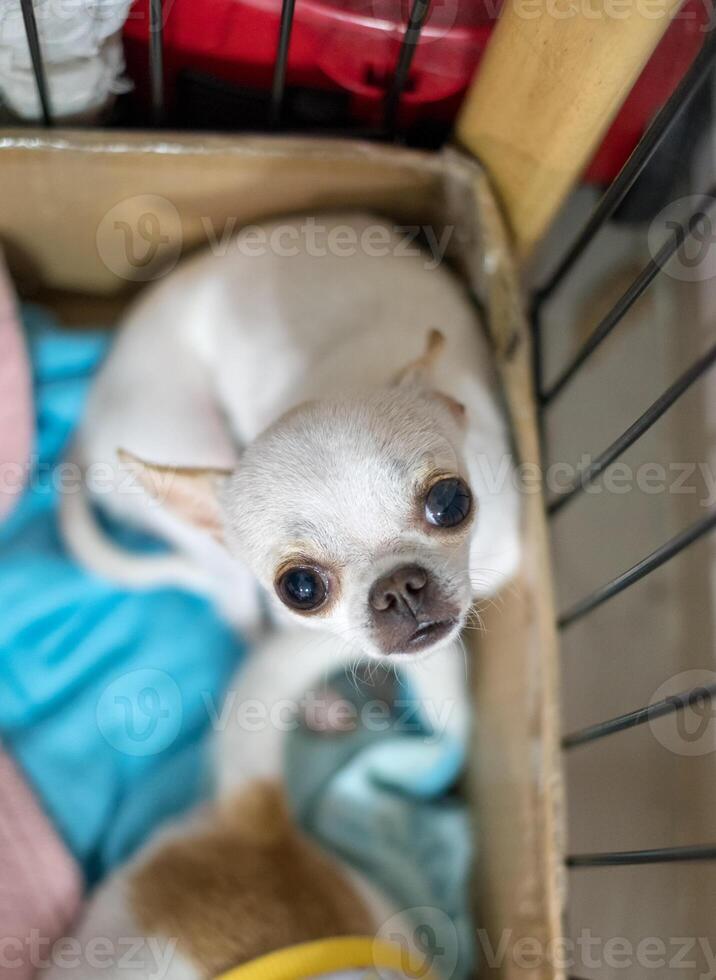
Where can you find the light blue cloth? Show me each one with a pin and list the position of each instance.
(387, 802)
(103, 693)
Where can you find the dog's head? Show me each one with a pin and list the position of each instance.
(354, 513)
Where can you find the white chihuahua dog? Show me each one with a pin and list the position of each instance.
(237, 880)
(297, 419)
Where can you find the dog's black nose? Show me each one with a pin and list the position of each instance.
(400, 588)
(409, 611)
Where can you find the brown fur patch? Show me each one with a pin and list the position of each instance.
(248, 883)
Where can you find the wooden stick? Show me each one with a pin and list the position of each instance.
(552, 80)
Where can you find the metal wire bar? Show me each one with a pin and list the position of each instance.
(645, 421)
(629, 297)
(418, 16)
(537, 376)
(660, 855)
(643, 152)
(156, 59)
(278, 87)
(638, 571)
(38, 67)
(675, 702)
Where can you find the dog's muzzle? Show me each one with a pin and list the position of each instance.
(409, 612)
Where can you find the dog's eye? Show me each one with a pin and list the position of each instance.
(302, 588)
(448, 502)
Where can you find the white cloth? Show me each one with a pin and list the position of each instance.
(82, 54)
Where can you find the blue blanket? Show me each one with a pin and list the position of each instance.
(103, 693)
(385, 800)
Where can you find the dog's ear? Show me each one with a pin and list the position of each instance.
(191, 494)
(420, 371)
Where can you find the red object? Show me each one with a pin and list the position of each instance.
(669, 63)
(353, 46)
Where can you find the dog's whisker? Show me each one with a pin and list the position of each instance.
(461, 644)
(477, 580)
(478, 583)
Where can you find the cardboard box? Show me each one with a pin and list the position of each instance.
(75, 219)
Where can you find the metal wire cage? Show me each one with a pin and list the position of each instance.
(548, 391)
(548, 394)
(418, 14)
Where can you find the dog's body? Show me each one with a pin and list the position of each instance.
(212, 357)
(230, 883)
(236, 879)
